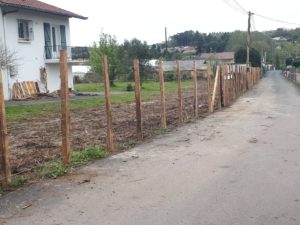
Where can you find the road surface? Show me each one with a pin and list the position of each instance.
(239, 166)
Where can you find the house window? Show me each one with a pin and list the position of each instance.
(25, 30)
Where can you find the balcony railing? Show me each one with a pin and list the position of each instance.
(74, 53)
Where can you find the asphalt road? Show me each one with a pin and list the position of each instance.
(239, 166)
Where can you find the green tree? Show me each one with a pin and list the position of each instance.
(254, 57)
(136, 49)
(107, 45)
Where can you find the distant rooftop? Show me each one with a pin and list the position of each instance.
(40, 7)
(218, 55)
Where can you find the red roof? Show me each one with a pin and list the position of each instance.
(40, 7)
(218, 55)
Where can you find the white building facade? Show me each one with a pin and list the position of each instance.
(36, 32)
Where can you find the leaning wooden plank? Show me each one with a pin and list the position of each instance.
(215, 89)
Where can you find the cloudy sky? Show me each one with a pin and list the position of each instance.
(146, 20)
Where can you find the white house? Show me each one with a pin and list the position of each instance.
(36, 31)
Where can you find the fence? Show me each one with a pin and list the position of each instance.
(157, 106)
(292, 75)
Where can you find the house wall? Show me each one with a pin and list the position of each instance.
(31, 53)
(4, 72)
(53, 72)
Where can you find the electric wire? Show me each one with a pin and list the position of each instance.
(237, 9)
(242, 9)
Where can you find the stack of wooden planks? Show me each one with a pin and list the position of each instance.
(25, 90)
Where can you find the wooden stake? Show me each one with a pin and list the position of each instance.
(5, 164)
(138, 99)
(109, 141)
(65, 111)
(180, 101)
(209, 97)
(162, 96)
(196, 103)
(217, 78)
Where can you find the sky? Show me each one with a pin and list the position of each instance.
(146, 20)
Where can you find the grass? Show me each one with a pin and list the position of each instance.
(18, 181)
(149, 91)
(121, 86)
(56, 168)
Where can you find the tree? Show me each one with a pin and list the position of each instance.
(107, 45)
(136, 49)
(8, 59)
(241, 55)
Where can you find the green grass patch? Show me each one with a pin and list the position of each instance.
(56, 168)
(150, 90)
(121, 86)
(18, 181)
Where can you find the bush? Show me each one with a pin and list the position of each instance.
(129, 87)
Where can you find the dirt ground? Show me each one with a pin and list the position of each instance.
(238, 166)
(36, 140)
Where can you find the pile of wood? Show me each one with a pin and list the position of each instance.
(25, 90)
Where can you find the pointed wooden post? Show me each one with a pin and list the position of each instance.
(4, 151)
(209, 96)
(138, 99)
(196, 103)
(109, 141)
(65, 111)
(216, 84)
(163, 114)
(180, 101)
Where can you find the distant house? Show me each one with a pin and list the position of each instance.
(219, 58)
(36, 31)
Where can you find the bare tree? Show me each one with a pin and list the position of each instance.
(8, 59)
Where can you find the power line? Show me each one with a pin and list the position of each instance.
(276, 20)
(241, 7)
(265, 17)
(237, 9)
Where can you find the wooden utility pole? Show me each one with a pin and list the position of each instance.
(248, 40)
(65, 111)
(4, 163)
(166, 40)
(109, 142)
(162, 96)
(180, 101)
(196, 103)
(138, 99)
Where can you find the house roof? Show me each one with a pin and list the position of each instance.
(40, 7)
(219, 55)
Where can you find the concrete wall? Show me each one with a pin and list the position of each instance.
(31, 53)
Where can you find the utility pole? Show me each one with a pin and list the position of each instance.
(248, 40)
(166, 39)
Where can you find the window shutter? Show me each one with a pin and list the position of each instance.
(47, 34)
(63, 37)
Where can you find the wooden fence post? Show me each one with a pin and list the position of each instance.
(138, 99)
(109, 141)
(5, 164)
(162, 96)
(209, 96)
(196, 103)
(65, 111)
(217, 80)
(180, 101)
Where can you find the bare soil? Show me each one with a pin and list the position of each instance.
(36, 140)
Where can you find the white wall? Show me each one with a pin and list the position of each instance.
(31, 54)
(54, 77)
(2, 40)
